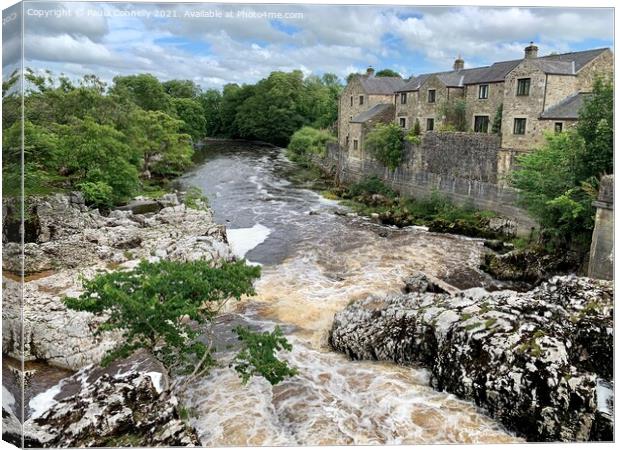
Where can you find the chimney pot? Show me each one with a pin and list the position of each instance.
(459, 63)
(531, 51)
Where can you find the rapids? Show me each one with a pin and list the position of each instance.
(314, 263)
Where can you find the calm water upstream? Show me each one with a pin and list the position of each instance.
(314, 263)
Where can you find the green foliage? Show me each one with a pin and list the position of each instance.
(496, 128)
(371, 185)
(454, 114)
(387, 73)
(309, 141)
(99, 194)
(417, 129)
(165, 151)
(78, 136)
(97, 153)
(181, 88)
(558, 182)
(211, 102)
(144, 90)
(385, 142)
(258, 355)
(164, 306)
(195, 199)
(275, 107)
(192, 115)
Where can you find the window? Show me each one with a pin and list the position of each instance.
(403, 122)
(523, 86)
(483, 91)
(403, 98)
(558, 127)
(354, 144)
(347, 141)
(361, 99)
(481, 124)
(431, 95)
(430, 124)
(519, 127)
(351, 100)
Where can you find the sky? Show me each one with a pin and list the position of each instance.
(200, 42)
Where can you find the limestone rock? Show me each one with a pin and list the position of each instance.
(532, 360)
(125, 404)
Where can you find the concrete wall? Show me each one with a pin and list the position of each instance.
(462, 166)
(602, 247)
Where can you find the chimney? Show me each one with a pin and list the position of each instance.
(531, 51)
(370, 71)
(459, 64)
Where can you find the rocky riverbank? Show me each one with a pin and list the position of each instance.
(69, 241)
(540, 362)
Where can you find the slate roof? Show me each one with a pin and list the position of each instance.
(371, 113)
(381, 85)
(567, 109)
(563, 64)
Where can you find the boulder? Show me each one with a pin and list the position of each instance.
(125, 404)
(532, 360)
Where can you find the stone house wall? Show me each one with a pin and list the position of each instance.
(528, 107)
(426, 110)
(346, 111)
(483, 107)
(558, 88)
(603, 65)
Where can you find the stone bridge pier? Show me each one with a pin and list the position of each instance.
(602, 248)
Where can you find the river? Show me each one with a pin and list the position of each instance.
(313, 263)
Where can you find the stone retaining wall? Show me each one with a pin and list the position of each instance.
(462, 166)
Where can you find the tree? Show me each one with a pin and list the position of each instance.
(385, 142)
(309, 141)
(181, 88)
(211, 102)
(94, 153)
(144, 90)
(191, 112)
(497, 120)
(558, 182)
(387, 73)
(274, 111)
(165, 307)
(163, 148)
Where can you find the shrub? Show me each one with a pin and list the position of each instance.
(98, 194)
(385, 142)
(497, 120)
(454, 114)
(164, 307)
(371, 185)
(310, 141)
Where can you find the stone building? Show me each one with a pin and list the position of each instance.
(534, 95)
(537, 86)
(360, 95)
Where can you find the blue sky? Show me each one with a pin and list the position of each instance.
(116, 38)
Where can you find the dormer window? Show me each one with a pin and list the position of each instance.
(523, 86)
(431, 95)
(483, 91)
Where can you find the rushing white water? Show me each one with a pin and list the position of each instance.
(313, 265)
(242, 240)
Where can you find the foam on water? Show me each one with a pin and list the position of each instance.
(242, 240)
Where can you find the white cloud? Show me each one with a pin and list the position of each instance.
(339, 39)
